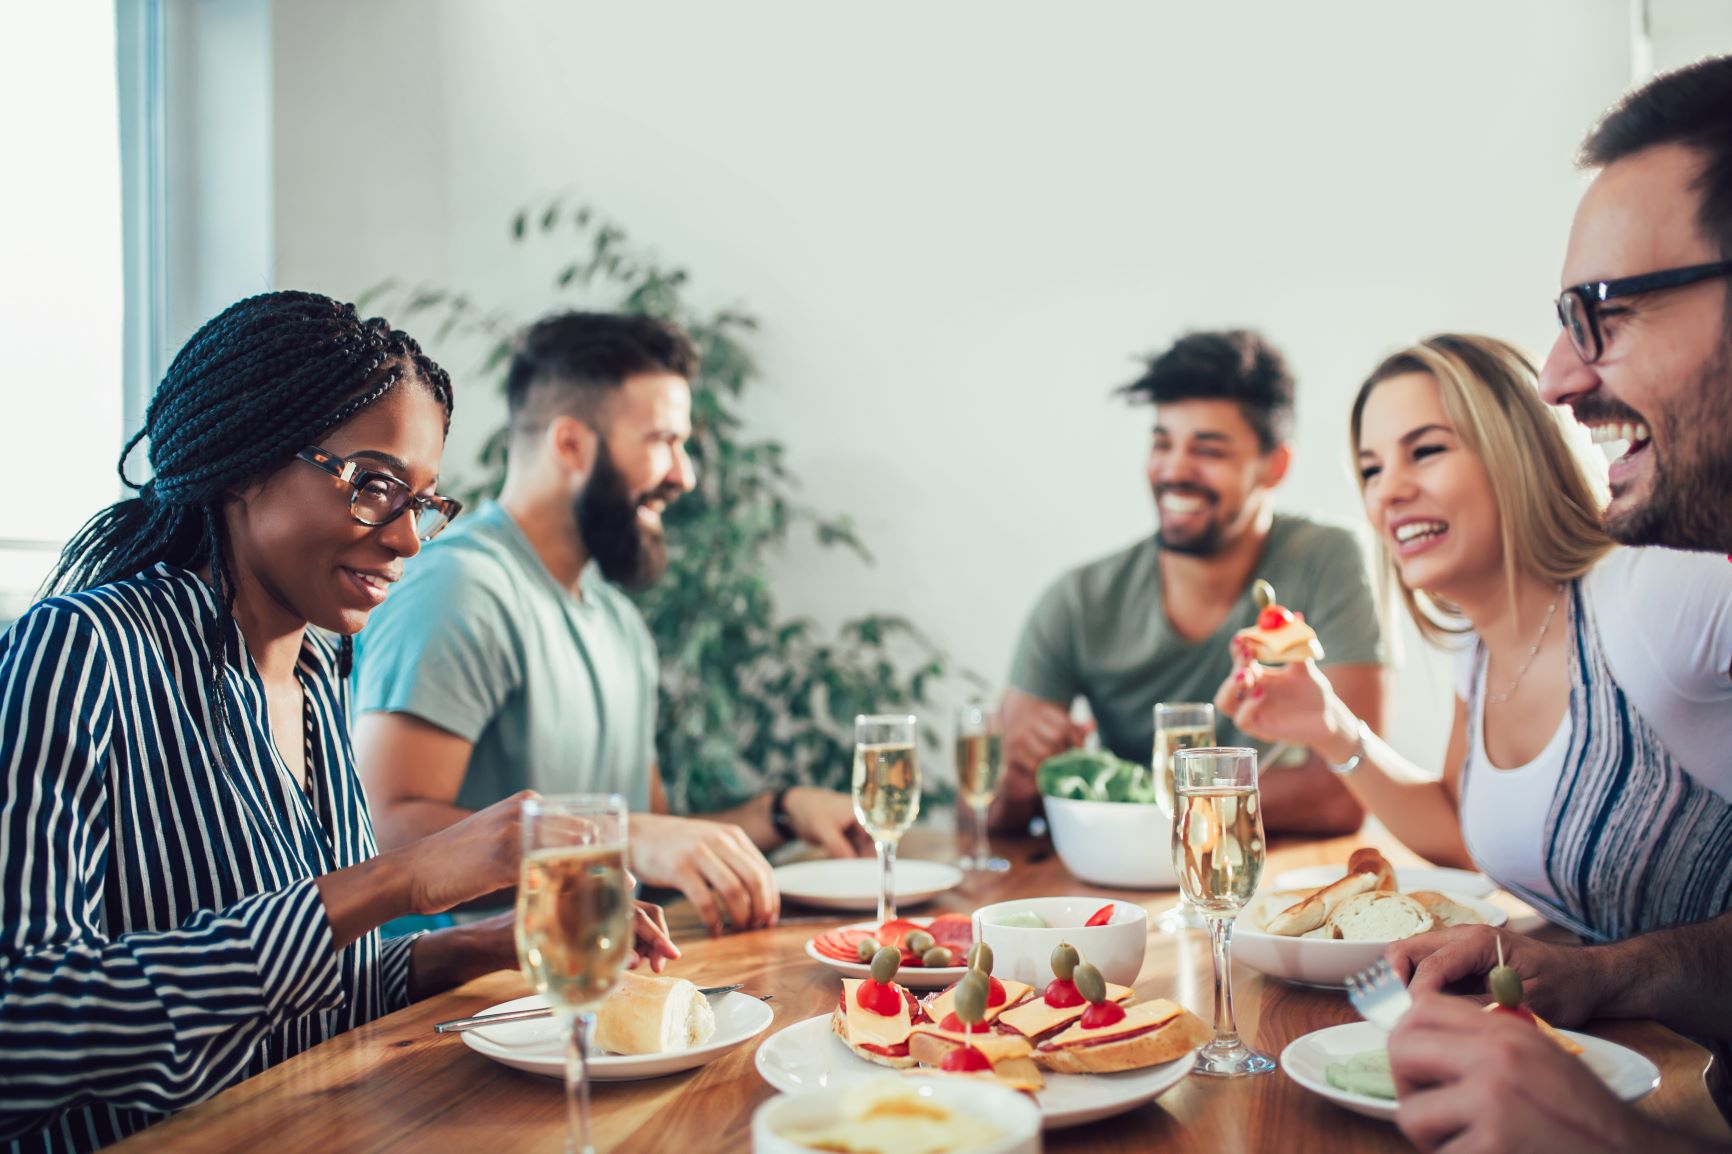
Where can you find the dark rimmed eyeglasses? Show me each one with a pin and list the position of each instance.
(379, 498)
(1579, 307)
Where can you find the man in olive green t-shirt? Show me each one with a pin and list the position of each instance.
(1155, 622)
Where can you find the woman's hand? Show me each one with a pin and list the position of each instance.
(480, 855)
(1291, 703)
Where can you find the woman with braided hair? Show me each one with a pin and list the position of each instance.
(189, 887)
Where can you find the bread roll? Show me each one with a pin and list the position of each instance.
(653, 1015)
(1368, 860)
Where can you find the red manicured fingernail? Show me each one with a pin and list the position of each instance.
(1258, 692)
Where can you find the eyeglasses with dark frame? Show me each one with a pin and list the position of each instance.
(377, 498)
(1579, 306)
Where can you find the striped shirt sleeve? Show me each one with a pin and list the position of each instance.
(150, 1020)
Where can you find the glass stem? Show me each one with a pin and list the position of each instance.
(577, 1087)
(982, 847)
(1220, 941)
(887, 880)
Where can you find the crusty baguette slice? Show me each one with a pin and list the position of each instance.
(1380, 917)
(1309, 913)
(1174, 1038)
(1446, 912)
(839, 1027)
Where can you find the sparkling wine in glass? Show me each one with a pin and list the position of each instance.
(1218, 853)
(886, 792)
(1178, 725)
(979, 769)
(574, 924)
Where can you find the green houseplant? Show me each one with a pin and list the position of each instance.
(749, 699)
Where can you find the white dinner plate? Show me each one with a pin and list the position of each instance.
(807, 1054)
(852, 883)
(538, 1045)
(914, 977)
(1306, 1060)
(1474, 885)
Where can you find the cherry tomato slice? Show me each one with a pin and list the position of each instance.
(995, 992)
(1061, 993)
(1101, 916)
(883, 1000)
(1273, 618)
(1102, 1014)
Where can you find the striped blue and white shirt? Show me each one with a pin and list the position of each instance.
(161, 937)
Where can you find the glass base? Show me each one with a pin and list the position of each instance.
(1180, 918)
(991, 865)
(1232, 1060)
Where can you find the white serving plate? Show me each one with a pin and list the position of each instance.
(1317, 962)
(1306, 1060)
(1448, 881)
(538, 1045)
(852, 883)
(914, 977)
(807, 1055)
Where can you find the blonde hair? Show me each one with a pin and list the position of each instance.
(1548, 499)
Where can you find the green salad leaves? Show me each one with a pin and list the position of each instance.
(1083, 775)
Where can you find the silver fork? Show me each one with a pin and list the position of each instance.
(1379, 996)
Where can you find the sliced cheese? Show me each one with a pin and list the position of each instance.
(995, 1046)
(868, 1029)
(1035, 1017)
(941, 1006)
(1143, 1016)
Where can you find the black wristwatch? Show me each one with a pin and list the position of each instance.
(779, 819)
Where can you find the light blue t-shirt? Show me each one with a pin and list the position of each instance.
(557, 693)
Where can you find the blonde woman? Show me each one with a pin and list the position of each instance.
(1587, 768)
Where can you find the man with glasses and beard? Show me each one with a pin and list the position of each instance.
(1155, 622)
(511, 659)
(1645, 360)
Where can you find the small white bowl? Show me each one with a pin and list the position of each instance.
(1316, 961)
(1024, 954)
(1014, 1115)
(1118, 844)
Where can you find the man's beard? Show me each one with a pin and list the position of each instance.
(1205, 542)
(628, 552)
(1689, 504)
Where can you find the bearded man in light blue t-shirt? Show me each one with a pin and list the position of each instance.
(510, 658)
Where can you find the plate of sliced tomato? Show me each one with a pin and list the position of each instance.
(840, 948)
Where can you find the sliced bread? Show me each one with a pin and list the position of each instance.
(1446, 912)
(1380, 917)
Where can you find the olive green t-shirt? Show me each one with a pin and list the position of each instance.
(1101, 631)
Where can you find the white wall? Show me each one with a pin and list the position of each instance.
(959, 222)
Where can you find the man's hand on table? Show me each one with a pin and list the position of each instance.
(714, 864)
(1560, 983)
(1034, 730)
(1470, 1081)
(825, 818)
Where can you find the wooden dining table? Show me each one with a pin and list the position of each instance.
(395, 1086)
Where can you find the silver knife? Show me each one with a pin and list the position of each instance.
(458, 1025)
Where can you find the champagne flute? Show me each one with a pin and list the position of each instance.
(1218, 852)
(1178, 725)
(979, 769)
(886, 792)
(574, 924)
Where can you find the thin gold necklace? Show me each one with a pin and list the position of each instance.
(1500, 698)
